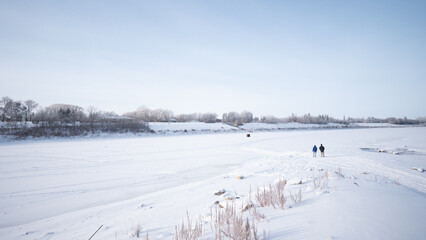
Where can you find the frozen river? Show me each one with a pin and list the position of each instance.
(66, 189)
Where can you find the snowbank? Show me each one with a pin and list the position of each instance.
(200, 127)
(286, 126)
(374, 125)
(189, 127)
(177, 128)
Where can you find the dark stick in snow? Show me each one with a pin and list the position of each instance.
(96, 232)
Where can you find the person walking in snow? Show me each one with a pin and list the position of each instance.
(314, 150)
(322, 148)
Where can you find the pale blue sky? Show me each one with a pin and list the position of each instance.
(342, 58)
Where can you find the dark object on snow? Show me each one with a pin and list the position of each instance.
(322, 148)
(220, 192)
(248, 207)
(248, 135)
(96, 231)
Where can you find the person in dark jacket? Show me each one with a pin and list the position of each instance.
(314, 150)
(322, 148)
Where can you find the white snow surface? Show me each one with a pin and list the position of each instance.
(68, 189)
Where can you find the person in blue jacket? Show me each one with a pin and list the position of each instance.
(314, 150)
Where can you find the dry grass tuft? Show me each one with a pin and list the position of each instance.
(339, 173)
(228, 223)
(258, 216)
(320, 181)
(274, 196)
(253, 210)
(297, 197)
(136, 231)
(190, 231)
(396, 181)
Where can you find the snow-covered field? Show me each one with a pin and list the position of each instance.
(68, 189)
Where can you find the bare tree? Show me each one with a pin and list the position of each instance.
(6, 108)
(269, 119)
(161, 115)
(186, 117)
(31, 106)
(93, 116)
(207, 117)
(231, 118)
(246, 117)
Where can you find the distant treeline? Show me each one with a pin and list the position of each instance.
(25, 118)
(324, 119)
(234, 118)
